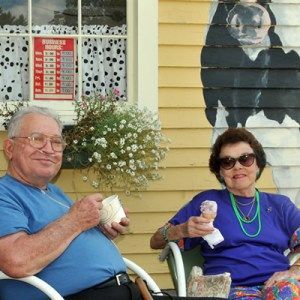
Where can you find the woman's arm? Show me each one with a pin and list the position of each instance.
(194, 227)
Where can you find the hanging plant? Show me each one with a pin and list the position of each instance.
(119, 144)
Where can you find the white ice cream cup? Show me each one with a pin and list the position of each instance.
(112, 210)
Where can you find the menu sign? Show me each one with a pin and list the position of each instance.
(54, 68)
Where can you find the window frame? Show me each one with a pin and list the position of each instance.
(142, 58)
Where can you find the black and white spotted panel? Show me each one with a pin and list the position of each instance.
(104, 61)
(14, 66)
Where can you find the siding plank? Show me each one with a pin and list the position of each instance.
(201, 138)
(179, 56)
(184, 12)
(183, 118)
(179, 77)
(250, 78)
(176, 34)
(180, 97)
(196, 12)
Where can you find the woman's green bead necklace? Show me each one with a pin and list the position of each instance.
(241, 218)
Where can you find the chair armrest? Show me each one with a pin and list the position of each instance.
(143, 274)
(181, 281)
(173, 256)
(38, 283)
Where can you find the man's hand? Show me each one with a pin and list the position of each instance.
(115, 229)
(86, 212)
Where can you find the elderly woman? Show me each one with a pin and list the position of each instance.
(257, 227)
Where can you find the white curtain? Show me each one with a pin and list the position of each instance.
(103, 60)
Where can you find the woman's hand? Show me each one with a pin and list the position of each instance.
(293, 272)
(197, 227)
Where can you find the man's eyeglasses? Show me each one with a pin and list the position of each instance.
(245, 160)
(39, 140)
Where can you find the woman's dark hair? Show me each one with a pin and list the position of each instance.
(233, 136)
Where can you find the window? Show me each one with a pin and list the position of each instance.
(55, 51)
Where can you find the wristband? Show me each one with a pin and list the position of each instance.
(164, 232)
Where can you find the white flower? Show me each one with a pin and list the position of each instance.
(132, 167)
(95, 184)
(122, 163)
(97, 156)
(122, 142)
(113, 155)
(75, 142)
(101, 142)
(134, 148)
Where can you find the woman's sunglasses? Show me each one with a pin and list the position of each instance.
(245, 160)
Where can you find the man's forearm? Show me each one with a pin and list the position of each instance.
(29, 254)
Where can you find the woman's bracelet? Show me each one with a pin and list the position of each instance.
(164, 231)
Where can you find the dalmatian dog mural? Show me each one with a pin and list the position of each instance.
(251, 77)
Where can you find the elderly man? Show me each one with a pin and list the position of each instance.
(42, 232)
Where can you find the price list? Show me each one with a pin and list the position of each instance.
(54, 69)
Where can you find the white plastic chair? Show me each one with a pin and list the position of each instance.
(39, 284)
(178, 261)
(143, 274)
(54, 295)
